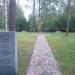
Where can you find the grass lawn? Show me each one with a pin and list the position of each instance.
(2, 30)
(26, 43)
(64, 51)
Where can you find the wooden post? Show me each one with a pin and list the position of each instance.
(12, 15)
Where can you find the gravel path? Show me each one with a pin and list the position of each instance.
(43, 61)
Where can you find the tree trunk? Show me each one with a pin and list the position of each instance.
(6, 15)
(12, 15)
(33, 15)
(68, 17)
(39, 8)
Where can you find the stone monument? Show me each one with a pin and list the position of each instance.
(8, 53)
(8, 44)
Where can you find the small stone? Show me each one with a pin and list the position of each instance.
(45, 73)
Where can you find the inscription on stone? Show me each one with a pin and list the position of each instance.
(8, 53)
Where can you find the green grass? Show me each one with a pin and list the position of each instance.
(64, 51)
(2, 30)
(26, 43)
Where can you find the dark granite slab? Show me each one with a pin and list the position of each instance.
(8, 53)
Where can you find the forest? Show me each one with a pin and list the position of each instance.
(52, 16)
(47, 16)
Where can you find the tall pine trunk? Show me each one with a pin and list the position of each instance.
(12, 15)
(39, 8)
(33, 15)
(68, 17)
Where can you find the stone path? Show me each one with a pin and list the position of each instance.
(42, 62)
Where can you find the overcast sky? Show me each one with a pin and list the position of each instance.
(26, 6)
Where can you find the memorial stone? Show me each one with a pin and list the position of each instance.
(8, 53)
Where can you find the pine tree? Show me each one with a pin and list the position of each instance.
(68, 17)
(12, 15)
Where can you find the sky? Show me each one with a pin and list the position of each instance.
(26, 6)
